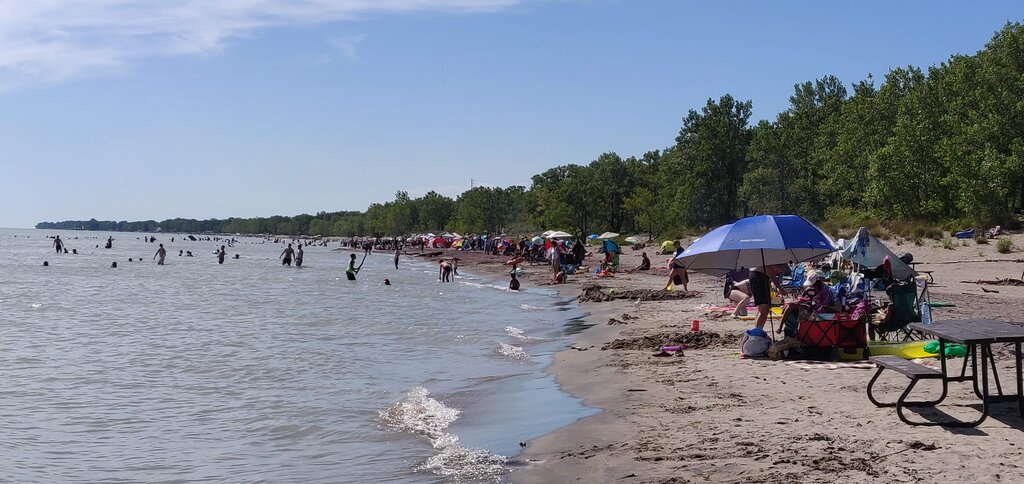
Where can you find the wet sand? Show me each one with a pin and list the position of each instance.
(711, 416)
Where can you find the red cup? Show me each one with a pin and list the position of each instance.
(695, 325)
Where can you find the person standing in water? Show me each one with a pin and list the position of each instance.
(161, 253)
(397, 253)
(298, 257)
(58, 244)
(444, 271)
(350, 273)
(220, 255)
(286, 255)
(110, 243)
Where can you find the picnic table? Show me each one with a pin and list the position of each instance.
(978, 335)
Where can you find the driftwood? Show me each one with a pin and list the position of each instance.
(596, 293)
(430, 254)
(1009, 281)
(970, 261)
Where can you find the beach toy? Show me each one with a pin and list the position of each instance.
(909, 350)
(952, 349)
(695, 325)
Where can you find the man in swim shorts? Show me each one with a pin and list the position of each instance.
(220, 255)
(759, 283)
(444, 271)
(286, 255)
(58, 244)
(161, 253)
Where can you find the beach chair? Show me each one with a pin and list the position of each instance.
(794, 282)
(906, 299)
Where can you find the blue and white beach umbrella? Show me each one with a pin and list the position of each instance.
(757, 241)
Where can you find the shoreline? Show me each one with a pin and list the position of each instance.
(710, 416)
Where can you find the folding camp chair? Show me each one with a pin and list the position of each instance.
(906, 300)
(795, 281)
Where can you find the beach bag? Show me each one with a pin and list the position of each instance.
(755, 342)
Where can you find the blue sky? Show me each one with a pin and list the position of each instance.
(133, 110)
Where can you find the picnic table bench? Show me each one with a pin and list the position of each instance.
(978, 335)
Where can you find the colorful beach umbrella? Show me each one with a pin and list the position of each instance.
(757, 241)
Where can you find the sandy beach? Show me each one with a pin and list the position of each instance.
(711, 416)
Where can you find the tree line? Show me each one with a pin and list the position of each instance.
(936, 146)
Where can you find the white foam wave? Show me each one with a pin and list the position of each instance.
(527, 307)
(484, 286)
(520, 334)
(418, 413)
(511, 351)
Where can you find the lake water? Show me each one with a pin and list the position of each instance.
(250, 371)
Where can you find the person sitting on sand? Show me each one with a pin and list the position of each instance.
(645, 263)
(513, 285)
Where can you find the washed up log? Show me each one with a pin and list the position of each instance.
(1009, 281)
(430, 254)
(970, 261)
(597, 293)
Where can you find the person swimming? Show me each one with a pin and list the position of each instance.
(513, 285)
(387, 282)
(351, 272)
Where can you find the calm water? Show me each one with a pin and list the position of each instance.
(250, 371)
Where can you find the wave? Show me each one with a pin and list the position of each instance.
(485, 286)
(511, 351)
(419, 414)
(521, 335)
(527, 307)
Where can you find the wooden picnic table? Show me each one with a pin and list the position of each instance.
(978, 335)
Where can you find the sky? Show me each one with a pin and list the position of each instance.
(137, 110)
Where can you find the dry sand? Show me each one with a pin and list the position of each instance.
(710, 416)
